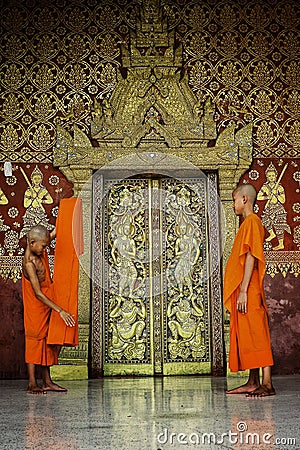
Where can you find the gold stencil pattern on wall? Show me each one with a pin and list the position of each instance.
(243, 55)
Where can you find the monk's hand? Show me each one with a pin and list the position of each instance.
(241, 303)
(67, 318)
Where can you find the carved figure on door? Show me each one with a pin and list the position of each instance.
(123, 253)
(187, 252)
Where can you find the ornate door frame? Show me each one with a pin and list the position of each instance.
(215, 363)
(227, 165)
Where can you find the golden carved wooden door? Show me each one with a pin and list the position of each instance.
(156, 306)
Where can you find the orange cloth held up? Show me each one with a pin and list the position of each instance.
(36, 321)
(69, 245)
(250, 344)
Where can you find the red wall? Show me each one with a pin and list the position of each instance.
(283, 301)
(12, 363)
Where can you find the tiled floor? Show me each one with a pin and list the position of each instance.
(149, 414)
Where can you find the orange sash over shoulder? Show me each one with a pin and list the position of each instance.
(250, 345)
(36, 321)
(69, 245)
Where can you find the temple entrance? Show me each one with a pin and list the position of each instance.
(154, 305)
(156, 301)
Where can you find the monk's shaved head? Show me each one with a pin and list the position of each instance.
(38, 233)
(248, 190)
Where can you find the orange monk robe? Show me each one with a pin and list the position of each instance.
(250, 345)
(36, 321)
(69, 245)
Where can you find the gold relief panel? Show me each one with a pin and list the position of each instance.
(187, 315)
(151, 269)
(12, 136)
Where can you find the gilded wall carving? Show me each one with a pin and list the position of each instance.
(58, 58)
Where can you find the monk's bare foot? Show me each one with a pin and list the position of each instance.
(262, 391)
(53, 387)
(244, 389)
(35, 389)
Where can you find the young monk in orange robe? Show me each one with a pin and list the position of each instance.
(250, 345)
(38, 296)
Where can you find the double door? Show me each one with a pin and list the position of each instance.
(156, 272)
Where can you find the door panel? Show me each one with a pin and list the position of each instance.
(185, 275)
(127, 298)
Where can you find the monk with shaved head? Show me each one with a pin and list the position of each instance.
(244, 298)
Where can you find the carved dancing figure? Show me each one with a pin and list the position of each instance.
(102, 115)
(124, 254)
(185, 318)
(187, 252)
(128, 321)
(274, 214)
(198, 108)
(107, 113)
